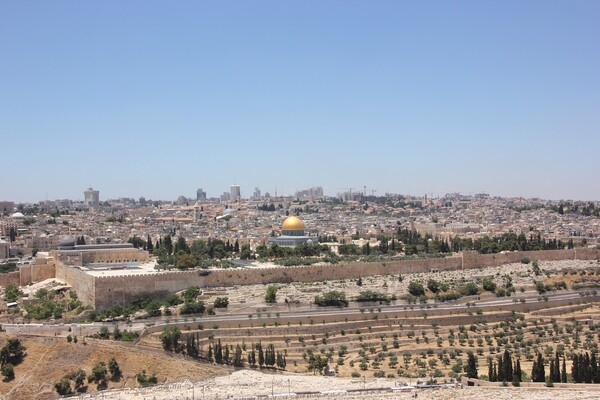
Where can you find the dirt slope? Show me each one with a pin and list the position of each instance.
(49, 359)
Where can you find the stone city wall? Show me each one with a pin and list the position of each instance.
(81, 282)
(10, 278)
(326, 272)
(38, 272)
(102, 292)
(119, 290)
(472, 259)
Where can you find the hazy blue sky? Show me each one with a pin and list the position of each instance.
(156, 99)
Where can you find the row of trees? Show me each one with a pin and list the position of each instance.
(585, 368)
(219, 353)
(508, 242)
(74, 381)
(504, 369)
(303, 250)
(186, 255)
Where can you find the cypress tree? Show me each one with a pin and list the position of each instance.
(534, 372)
(218, 352)
(594, 368)
(237, 357)
(563, 374)
(556, 373)
(507, 369)
(517, 374)
(541, 371)
(490, 369)
(149, 245)
(226, 355)
(210, 353)
(471, 369)
(261, 355)
(501, 377)
(586, 369)
(575, 369)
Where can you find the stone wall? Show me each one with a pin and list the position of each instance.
(11, 278)
(81, 282)
(120, 289)
(113, 290)
(103, 292)
(472, 259)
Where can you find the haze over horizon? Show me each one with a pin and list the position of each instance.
(157, 99)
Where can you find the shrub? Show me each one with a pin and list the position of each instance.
(221, 302)
(416, 288)
(332, 298)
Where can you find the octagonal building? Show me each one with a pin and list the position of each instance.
(292, 234)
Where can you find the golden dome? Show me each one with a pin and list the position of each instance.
(292, 224)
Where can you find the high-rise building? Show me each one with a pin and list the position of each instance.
(91, 197)
(256, 194)
(235, 194)
(310, 193)
(200, 195)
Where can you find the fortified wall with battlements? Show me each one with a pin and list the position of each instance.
(105, 291)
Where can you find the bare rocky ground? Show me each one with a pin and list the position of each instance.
(253, 384)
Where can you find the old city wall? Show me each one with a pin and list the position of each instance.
(81, 282)
(120, 289)
(472, 259)
(11, 278)
(326, 272)
(42, 269)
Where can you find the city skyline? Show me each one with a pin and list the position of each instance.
(155, 100)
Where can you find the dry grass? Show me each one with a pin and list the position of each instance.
(49, 359)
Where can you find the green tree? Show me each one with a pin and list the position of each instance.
(237, 357)
(63, 387)
(332, 298)
(488, 284)
(12, 293)
(98, 375)
(246, 253)
(153, 308)
(221, 302)
(191, 293)
(316, 363)
(271, 294)
(145, 380)
(12, 352)
(416, 288)
(79, 378)
(149, 245)
(168, 244)
(114, 369)
(471, 367)
(186, 261)
(433, 285)
(170, 339)
(8, 372)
